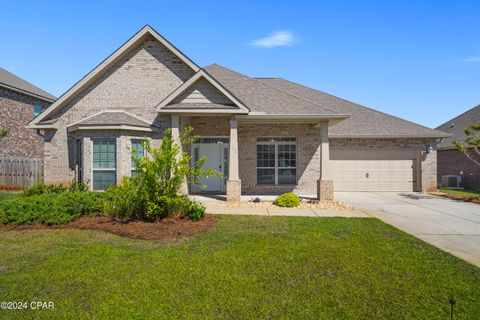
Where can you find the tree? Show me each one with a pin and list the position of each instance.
(471, 145)
(4, 133)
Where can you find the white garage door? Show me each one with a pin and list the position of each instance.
(373, 170)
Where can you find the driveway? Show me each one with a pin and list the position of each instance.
(450, 225)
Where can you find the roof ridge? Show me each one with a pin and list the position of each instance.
(271, 87)
(294, 95)
(42, 93)
(357, 104)
(459, 116)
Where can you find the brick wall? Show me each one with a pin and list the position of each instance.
(141, 78)
(453, 162)
(16, 112)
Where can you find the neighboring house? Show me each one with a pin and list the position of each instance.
(266, 135)
(20, 102)
(453, 162)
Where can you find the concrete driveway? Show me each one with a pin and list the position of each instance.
(450, 225)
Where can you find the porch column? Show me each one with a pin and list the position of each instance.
(325, 184)
(234, 186)
(176, 139)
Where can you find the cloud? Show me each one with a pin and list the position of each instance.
(472, 59)
(277, 39)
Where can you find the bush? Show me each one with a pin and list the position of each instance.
(288, 199)
(124, 201)
(152, 194)
(50, 209)
(196, 211)
(41, 188)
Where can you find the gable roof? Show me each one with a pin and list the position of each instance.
(166, 105)
(112, 119)
(261, 98)
(457, 125)
(10, 81)
(363, 121)
(147, 30)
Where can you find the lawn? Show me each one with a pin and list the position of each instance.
(467, 193)
(244, 267)
(9, 195)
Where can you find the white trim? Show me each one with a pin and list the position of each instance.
(193, 111)
(107, 127)
(276, 167)
(107, 62)
(190, 82)
(386, 136)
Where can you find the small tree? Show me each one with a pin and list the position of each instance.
(4, 133)
(152, 194)
(471, 145)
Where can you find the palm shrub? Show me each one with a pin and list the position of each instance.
(288, 199)
(152, 194)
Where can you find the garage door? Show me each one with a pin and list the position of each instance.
(373, 170)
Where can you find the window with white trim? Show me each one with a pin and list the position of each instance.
(104, 163)
(138, 151)
(277, 160)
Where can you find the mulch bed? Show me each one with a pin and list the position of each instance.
(167, 229)
(457, 197)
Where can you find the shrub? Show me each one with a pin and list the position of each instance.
(288, 199)
(152, 194)
(124, 201)
(51, 209)
(41, 188)
(196, 211)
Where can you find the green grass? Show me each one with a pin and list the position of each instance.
(243, 268)
(468, 193)
(4, 195)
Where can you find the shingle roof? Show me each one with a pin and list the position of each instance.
(11, 81)
(456, 126)
(263, 98)
(187, 106)
(363, 121)
(114, 117)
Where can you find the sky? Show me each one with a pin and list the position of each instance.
(419, 60)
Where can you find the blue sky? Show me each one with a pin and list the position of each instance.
(419, 60)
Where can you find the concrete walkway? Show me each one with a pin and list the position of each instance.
(450, 225)
(216, 205)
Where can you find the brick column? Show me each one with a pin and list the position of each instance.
(234, 185)
(176, 140)
(325, 184)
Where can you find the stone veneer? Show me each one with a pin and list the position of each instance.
(16, 112)
(139, 79)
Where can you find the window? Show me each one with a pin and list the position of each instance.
(276, 160)
(138, 151)
(37, 109)
(104, 164)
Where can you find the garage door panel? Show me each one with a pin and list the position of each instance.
(373, 170)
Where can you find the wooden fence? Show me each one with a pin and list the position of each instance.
(20, 173)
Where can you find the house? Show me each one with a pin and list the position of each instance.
(20, 102)
(452, 162)
(266, 135)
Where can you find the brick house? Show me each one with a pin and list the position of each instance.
(266, 135)
(452, 162)
(20, 102)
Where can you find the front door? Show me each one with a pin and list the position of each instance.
(217, 159)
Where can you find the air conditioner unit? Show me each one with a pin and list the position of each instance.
(452, 182)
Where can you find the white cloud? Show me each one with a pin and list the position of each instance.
(277, 39)
(472, 59)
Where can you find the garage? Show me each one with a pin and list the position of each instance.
(373, 169)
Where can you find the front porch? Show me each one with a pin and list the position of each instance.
(267, 157)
